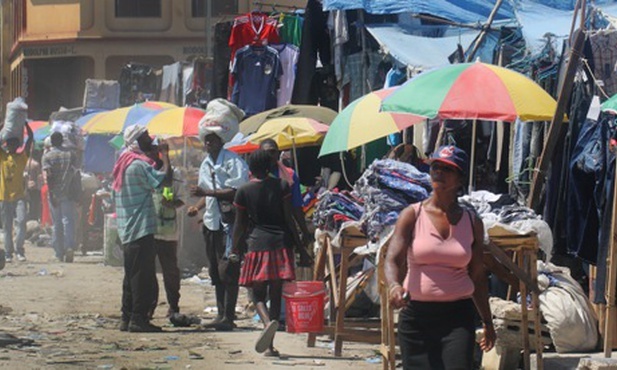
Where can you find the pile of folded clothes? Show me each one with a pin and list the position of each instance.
(333, 208)
(387, 187)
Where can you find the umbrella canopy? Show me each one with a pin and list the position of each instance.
(321, 114)
(291, 132)
(115, 121)
(610, 105)
(361, 122)
(40, 129)
(173, 122)
(473, 91)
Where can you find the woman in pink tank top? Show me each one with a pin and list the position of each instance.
(435, 273)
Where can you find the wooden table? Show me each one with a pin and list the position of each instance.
(525, 255)
(335, 276)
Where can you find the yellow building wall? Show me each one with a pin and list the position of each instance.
(52, 18)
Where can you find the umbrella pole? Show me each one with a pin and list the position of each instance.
(472, 159)
(293, 149)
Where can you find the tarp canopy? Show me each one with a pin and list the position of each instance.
(533, 18)
(417, 51)
(463, 11)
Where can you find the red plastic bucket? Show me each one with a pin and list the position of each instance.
(304, 306)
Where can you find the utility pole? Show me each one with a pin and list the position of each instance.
(4, 54)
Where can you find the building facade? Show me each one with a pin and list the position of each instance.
(50, 47)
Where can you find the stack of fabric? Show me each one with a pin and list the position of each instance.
(334, 208)
(501, 210)
(387, 187)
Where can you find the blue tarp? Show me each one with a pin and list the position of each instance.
(416, 51)
(533, 19)
(463, 11)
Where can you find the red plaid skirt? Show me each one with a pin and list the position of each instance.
(267, 265)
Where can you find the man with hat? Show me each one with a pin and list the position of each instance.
(135, 178)
(220, 174)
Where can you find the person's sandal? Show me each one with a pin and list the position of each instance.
(272, 353)
(266, 337)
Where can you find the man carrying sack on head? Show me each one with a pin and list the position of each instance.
(220, 174)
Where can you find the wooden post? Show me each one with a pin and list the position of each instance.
(557, 128)
(611, 265)
(487, 26)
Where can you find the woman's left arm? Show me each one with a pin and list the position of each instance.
(480, 281)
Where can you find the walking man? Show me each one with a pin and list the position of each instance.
(220, 174)
(135, 178)
(59, 167)
(13, 196)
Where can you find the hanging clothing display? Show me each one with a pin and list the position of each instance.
(221, 61)
(353, 74)
(288, 55)
(170, 83)
(605, 59)
(253, 29)
(586, 185)
(256, 71)
(291, 31)
(315, 41)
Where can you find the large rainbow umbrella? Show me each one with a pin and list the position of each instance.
(173, 122)
(40, 129)
(115, 121)
(473, 91)
(361, 122)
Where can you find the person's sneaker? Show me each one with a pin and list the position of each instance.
(124, 325)
(8, 259)
(21, 257)
(143, 327)
(68, 256)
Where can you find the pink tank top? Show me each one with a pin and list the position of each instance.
(437, 267)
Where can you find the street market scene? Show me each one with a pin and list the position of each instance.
(366, 184)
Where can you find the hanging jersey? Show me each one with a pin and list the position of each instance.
(291, 32)
(251, 29)
(256, 70)
(288, 54)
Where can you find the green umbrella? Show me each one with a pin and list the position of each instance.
(610, 105)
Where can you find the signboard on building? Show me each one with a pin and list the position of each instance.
(49, 51)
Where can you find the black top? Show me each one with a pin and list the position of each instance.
(263, 201)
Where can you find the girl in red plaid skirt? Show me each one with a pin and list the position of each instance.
(265, 204)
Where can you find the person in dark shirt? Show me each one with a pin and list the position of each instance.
(265, 203)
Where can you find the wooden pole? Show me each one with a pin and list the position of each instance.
(480, 38)
(557, 128)
(611, 265)
(576, 8)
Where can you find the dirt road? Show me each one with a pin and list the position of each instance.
(70, 314)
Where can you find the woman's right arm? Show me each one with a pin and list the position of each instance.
(396, 258)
